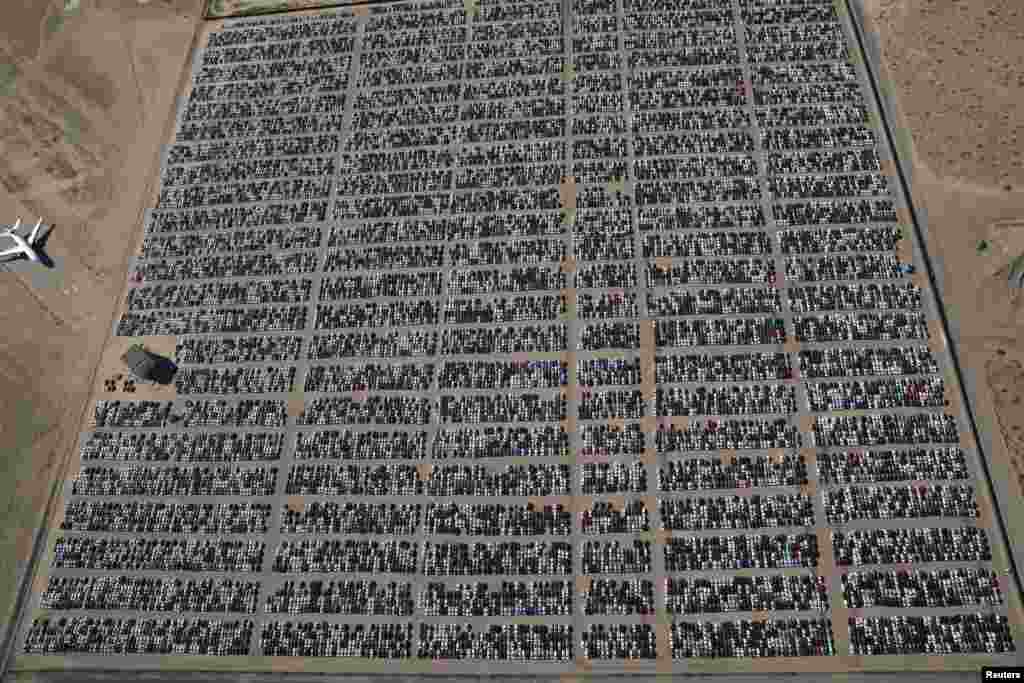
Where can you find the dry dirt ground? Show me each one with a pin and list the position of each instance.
(956, 68)
(80, 134)
(117, 65)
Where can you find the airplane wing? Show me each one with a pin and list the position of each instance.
(35, 232)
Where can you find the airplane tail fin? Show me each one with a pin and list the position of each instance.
(35, 232)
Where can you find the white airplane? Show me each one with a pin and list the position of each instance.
(22, 246)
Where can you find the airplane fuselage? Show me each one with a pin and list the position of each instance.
(21, 248)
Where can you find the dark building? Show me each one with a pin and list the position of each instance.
(146, 366)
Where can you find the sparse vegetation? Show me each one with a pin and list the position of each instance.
(54, 23)
(617, 185)
(885, 87)
(982, 246)
(72, 127)
(8, 75)
(1015, 273)
(260, 8)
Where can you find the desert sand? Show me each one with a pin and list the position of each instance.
(954, 73)
(80, 134)
(91, 101)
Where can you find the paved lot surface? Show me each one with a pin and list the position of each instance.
(570, 214)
